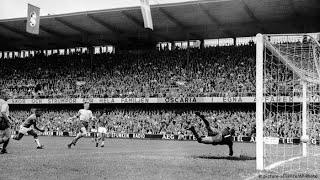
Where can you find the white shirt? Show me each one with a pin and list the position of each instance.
(85, 115)
(4, 107)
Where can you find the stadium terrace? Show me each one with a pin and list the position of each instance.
(208, 89)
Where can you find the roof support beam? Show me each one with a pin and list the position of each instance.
(173, 19)
(76, 28)
(215, 21)
(210, 16)
(106, 25)
(84, 33)
(252, 16)
(133, 19)
(181, 26)
(54, 33)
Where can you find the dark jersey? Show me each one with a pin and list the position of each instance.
(101, 121)
(31, 120)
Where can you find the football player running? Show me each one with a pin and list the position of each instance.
(4, 120)
(25, 128)
(101, 124)
(85, 115)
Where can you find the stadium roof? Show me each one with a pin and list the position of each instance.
(205, 19)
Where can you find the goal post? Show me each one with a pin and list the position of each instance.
(259, 102)
(287, 103)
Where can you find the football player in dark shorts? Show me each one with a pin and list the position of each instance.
(25, 128)
(215, 137)
(102, 130)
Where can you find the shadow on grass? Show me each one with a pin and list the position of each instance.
(232, 158)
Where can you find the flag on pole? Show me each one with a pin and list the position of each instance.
(33, 19)
(146, 14)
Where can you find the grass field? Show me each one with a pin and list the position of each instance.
(125, 159)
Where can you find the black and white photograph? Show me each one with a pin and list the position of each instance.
(159, 89)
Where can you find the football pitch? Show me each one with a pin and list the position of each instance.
(124, 159)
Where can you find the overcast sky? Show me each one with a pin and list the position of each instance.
(18, 8)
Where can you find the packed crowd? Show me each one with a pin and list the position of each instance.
(210, 72)
(156, 121)
(214, 71)
(145, 121)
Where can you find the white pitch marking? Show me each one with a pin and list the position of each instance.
(278, 164)
(285, 161)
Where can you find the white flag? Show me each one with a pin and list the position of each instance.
(146, 14)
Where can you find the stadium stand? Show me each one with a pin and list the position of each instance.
(212, 72)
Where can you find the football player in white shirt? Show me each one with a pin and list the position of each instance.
(4, 120)
(84, 115)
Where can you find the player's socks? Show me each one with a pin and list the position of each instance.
(74, 141)
(206, 122)
(102, 144)
(37, 142)
(3, 151)
(5, 144)
(192, 129)
(69, 145)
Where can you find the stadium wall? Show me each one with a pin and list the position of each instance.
(281, 99)
(171, 137)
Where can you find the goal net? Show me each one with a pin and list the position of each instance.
(288, 104)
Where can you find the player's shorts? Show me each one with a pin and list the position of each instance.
(84, 124)
(213, 131)
(24, 130)
(225, 132)
(102, 130)
(4, 124)
(93, 130)
(216, 139)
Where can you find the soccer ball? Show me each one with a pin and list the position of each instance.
(304, 139)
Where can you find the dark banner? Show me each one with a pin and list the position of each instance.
(171, 137)
(281, 140)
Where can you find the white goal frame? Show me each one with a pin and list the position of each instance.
(261, 42)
